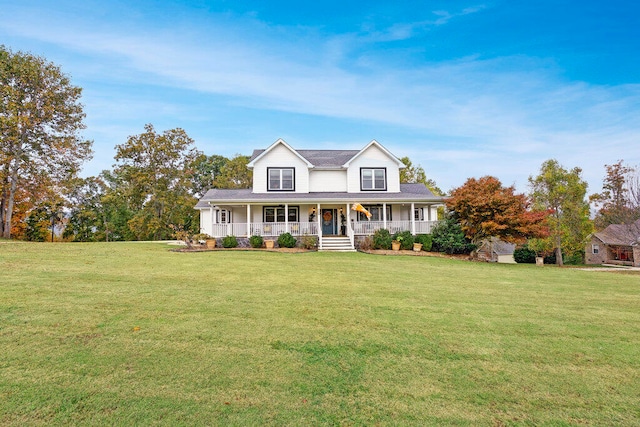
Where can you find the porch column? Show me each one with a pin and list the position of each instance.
(248, 220)
(211, 222)
(318, 221)
(349, 230)
(429, 213)
(412, 215)
(286, 217)
(384, 215)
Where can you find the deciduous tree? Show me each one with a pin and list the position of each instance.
(205, 170)
(40, 120)
(416, 174)
(486, 209)
(153, 176)
(619, 200)
(235, 174)
(562, 193)
(86, 214)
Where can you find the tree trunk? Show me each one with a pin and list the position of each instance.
(559, 262)
(9, 208)
(3, 199)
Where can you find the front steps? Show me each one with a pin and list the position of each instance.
(336, 244)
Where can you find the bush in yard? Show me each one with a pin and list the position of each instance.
(286, 240)
(575, 258)
(309, 242)
(426, 240)
(448, 237)
(405, 238)
(524, 255)
(256, 241)
(229, 242)
(382, 239)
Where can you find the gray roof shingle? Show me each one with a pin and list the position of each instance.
(620, 234)
(418, 193)
(321, 158)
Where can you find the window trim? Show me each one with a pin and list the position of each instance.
(293, 179)
(373, 178)
(595, 249)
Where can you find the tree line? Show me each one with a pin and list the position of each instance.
(158, 176)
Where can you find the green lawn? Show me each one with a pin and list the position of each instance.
(134, 334)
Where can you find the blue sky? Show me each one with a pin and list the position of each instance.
(464, 88)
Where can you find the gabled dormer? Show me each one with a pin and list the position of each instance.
(279, 168)
(373, 169)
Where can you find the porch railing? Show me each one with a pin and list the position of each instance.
(370, 227)
(311, 228)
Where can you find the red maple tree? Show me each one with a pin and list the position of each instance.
(485, 208)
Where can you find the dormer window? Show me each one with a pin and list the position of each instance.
(281, 179)
(373, 179)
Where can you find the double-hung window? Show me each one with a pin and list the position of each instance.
(372, 179)
(281, 179)
(277, 214)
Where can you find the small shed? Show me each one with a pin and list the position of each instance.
(496, 250)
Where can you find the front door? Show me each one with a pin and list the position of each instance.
(328, 222)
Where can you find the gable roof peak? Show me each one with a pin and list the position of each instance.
(382, 148)
(278, 142)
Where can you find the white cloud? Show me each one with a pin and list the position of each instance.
(504, 115)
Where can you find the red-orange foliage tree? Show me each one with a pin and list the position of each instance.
(486, 209)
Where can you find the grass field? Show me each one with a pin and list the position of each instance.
(134, 334)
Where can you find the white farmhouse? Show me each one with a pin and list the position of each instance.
(314, 192)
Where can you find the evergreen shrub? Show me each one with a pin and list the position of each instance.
(382, 239)
(256, 241)
(229, 242)
(286, 240)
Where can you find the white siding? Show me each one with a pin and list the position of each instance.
(433, 214)
(205, 221)
(373, 157)
(327, 181)
(280, 156)
(239, 214)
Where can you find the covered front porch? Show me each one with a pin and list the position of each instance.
(318, 219)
